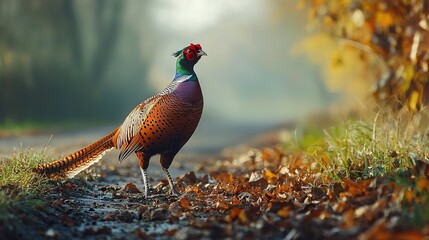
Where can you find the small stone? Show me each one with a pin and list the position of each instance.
(175, 207)
(67, 221)
(52, 233)
(158, 214)
(104, 230)
(89, 231)
(188, 233)
(141, 234)
(142, 211)
(110, 217)
(126, 216)
(154, 214)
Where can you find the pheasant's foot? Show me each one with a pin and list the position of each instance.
(146, 195)
(174, 192)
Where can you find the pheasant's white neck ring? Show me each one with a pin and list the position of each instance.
(183, 78)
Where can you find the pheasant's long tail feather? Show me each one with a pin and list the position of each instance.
(74, 163)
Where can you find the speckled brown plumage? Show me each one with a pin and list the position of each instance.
(160, 125)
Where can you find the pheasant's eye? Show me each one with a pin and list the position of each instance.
(189, 55)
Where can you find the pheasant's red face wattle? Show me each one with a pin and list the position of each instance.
(191, 52)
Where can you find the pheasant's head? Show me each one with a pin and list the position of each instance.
(190, 55)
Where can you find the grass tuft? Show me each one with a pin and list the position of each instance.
(19, 185)
(360, 150)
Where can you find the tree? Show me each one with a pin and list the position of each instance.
(54, 55)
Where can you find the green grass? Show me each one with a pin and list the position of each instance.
(359, 149)
(20, 187)
(392, 147)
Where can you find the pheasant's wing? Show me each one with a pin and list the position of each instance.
(127, 140)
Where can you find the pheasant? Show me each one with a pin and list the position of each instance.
(160, 125)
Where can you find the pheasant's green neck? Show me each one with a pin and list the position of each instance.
(182, 70)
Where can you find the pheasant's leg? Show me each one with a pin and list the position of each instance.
(145, 183)
(144, 164)
(166, 159)
(170, 182)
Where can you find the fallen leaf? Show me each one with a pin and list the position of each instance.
(409, 195)
(66, 220)
(255, 176)
(348, 219)
(360, 211)
(221, 205)
(379, 231)
(224, 177)
(354, 188)
(131, 188)
(242, 217)
(423, 184)
(236, 213)
(284, 212)
(257, 180)
(184, 203)
(270, 176)
(384, 19)
(110, 217)
(189, 178)
(235, 200)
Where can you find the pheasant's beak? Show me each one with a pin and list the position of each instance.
(201, 53)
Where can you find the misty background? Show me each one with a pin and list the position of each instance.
(93, 61)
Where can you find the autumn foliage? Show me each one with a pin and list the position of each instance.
(392, 36)
(273, 194)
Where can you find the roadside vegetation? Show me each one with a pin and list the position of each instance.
(20, 187)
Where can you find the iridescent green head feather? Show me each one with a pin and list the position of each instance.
(187, 58)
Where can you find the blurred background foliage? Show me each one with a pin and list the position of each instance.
(383, 44)
(57, 59)
(83, 61)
